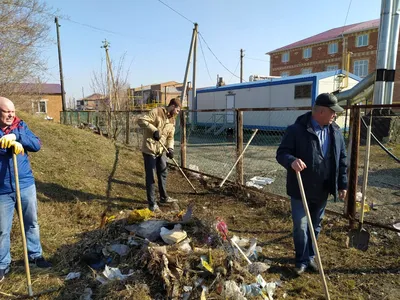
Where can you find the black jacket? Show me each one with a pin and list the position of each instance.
(301, 141)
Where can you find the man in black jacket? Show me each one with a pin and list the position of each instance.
(314, 146)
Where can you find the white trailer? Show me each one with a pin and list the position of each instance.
(291, 91)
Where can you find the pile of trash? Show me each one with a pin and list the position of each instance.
(187, 258)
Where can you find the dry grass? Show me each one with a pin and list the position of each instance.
(81, 175)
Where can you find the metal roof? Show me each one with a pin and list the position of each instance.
(277, 81)
(331, 34)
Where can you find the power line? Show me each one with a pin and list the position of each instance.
(235, 70)
(257, 59)
(176, 11)
(347, 14)
(217, 57)
(205, 62)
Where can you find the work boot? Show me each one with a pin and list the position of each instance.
(168, 200)
(3, 273)
(312, 266)
(300, 270)
(40, 262)
(155, 208)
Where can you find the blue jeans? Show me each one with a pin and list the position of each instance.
(29, 211)
(158, 163)
(301, 235)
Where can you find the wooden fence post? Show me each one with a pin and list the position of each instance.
(127, 128)
(79, 118)
(183, 138)
(89, 119)
(353, 170)
(239, 146)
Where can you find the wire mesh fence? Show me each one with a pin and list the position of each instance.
(212, 136)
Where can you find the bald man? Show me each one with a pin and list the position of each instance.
(16, 138)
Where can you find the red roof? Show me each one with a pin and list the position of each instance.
(331, 34)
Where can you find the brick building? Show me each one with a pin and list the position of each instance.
(352, 47)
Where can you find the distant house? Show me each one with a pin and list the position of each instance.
(159, 93)
(92, 102)
(38, 98)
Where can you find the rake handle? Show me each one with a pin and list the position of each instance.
(313, 238)
(176, 163)
(21, 223)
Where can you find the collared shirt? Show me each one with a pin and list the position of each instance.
(323, 136)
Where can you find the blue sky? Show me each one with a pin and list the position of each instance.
(156, 40)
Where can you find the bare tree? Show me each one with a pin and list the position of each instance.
(115, 95)
(23, 32)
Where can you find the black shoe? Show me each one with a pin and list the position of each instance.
(312, 266)
(40, 262)
(168, 200)
(300, 270)
(3, 273)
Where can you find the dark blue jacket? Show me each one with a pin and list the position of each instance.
(31, 143)
(301, 141)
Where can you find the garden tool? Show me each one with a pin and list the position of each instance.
(359, 238)
(240, 156)
(313, 238)
(184, 175)
(21, 223)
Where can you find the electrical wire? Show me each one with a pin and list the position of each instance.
(235, 70)
(176, 11)
(205, 62)
(347, 14)
(257, 59)
(217, 57)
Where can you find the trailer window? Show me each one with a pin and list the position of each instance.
(302, 91)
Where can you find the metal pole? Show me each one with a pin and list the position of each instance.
(188, 62)
(183, 138)
(239, 146)
(194, 68)
(241, 65)
(60, 65)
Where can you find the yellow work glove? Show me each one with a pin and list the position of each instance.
(17, 148)
(6, 140)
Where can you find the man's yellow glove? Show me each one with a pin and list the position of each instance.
(17, 148)
(6, 140)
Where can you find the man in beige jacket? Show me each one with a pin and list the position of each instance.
(159, 127)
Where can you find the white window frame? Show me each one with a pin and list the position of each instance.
(285, 74)
(285, 57)
(307, 52)
(362, 40)
(360, 67)
(306, 71)
(332, 68)
(333, 48)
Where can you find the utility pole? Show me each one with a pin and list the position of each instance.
(241, 65)
(106, 45)
(194, 94)
(60, 65)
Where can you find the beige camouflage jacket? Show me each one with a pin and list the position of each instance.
(157, 119)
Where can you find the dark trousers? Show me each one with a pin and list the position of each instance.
(159, 163)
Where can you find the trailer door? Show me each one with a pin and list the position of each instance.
(230, 104)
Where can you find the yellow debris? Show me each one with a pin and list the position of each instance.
(139, 215)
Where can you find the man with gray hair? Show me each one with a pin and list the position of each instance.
(16, 138)
(314, 146)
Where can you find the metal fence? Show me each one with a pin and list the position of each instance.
(211, 140)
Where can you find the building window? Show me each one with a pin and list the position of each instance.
(306, 71)
(285, 74)
(361, 68)
(362, 40)
(332, 48)
(307, 52)
(302, 91)
(285, 57)
(332, 68)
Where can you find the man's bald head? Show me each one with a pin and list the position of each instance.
(7, 112)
